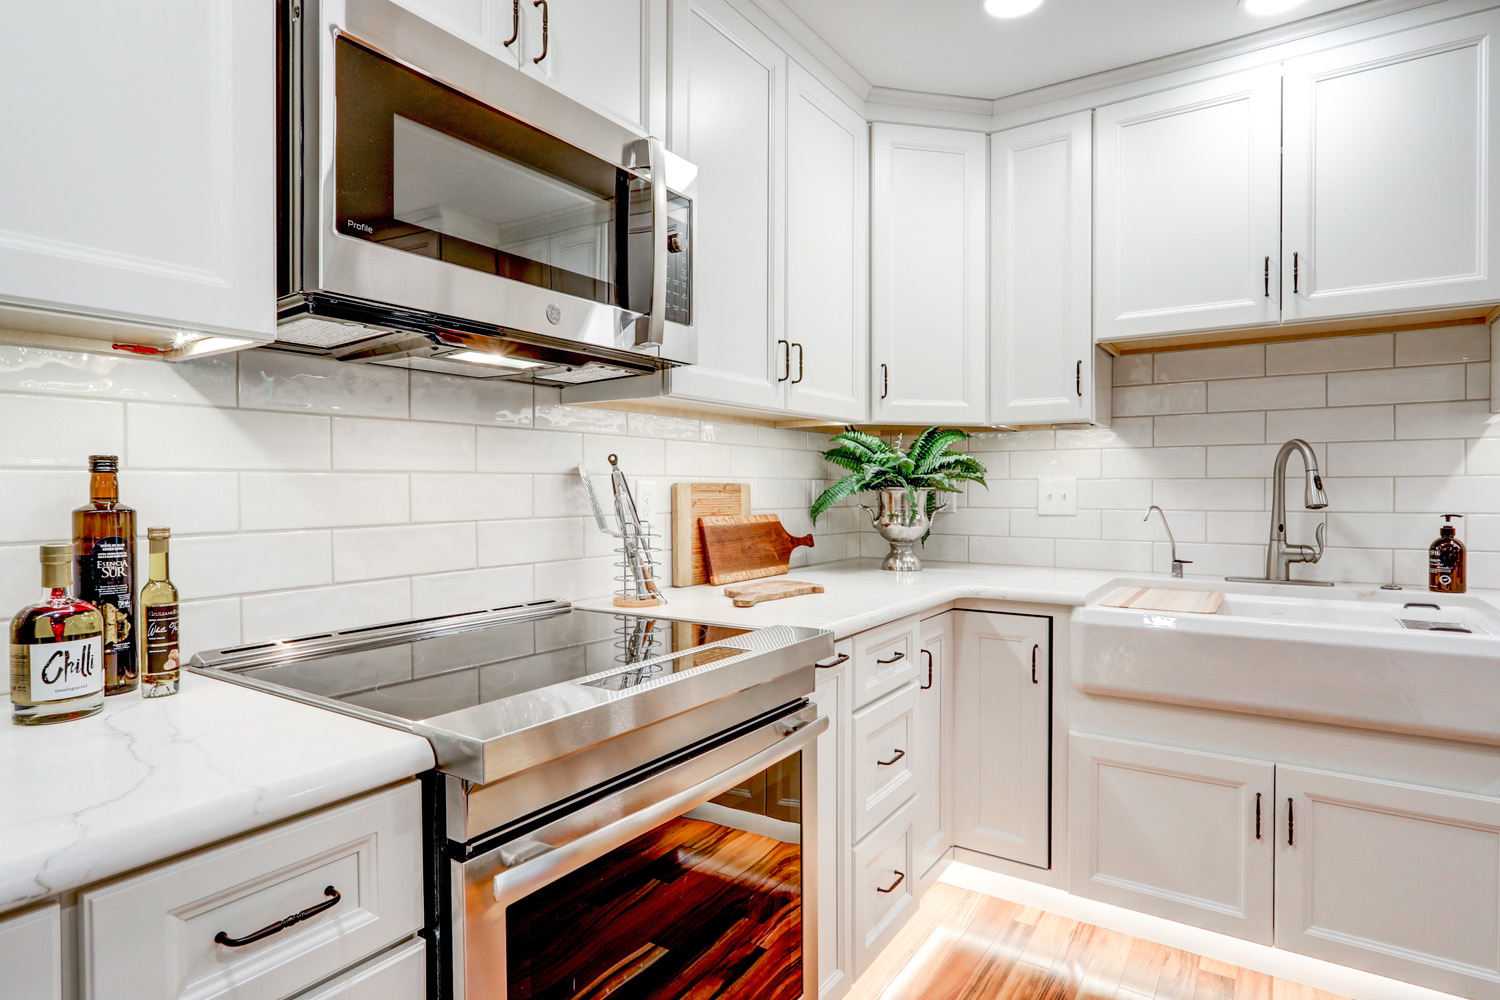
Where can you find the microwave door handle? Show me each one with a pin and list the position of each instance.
(657, 319)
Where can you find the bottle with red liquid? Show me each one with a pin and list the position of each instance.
(56, 650)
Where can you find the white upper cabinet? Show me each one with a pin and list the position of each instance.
(928, 275)
(610, 54)
(139, 165)
(1391, 171)
(827, 252)
(1187, 208)
(729, 96)
(1041, 309)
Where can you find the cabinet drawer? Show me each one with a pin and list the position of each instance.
(154, 934)
(31, 954)
(884, 659)
(884, 747)
(399, 974)
(885, 887)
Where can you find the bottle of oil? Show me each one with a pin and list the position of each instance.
(1447, 570)
(104, 568)
(161, 663)
(56, 650)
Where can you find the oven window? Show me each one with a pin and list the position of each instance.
(426, 170)
(706, 905)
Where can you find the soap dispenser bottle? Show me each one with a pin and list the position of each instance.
(1446, 561)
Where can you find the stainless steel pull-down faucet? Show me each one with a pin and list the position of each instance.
(1280, 554)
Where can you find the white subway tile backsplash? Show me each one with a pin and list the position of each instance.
(326, 609)
(1478, 377)
(1127, 557)
(555, 416)
(1341, 423)
(1482, 456)
(1446, 420)
(1123, 432)
(1361, 494)
(203, 381)
(1007, 551)
(1212, 560)
(405, 550)
(1285, 392)
(1078, 463)
(987, 441)
(1211, 428)
(475, 589)
(1349, 565)
(1003, 493)
(1133, 369)
(1221, 362)
(61, 433)
(270, 380)
(280, 500)
(1443, 345)
(1477, 531)
(564, 496)
(659, 425)
(1110, 494)
(1154, 463)
(1395, 458)
(973, 521)
(1397, 385)
(755, 463)
(727, 432)
(1210, 494)
(510, 543)
(1150, 400)
(591, 577)
(470, 400)
(1335, 354)
(171, 437)
(190, 503)
(248, 563)
(402, 445)
(35, 505)
(1130, 525)
(1380, 531)
(637, 456)
(212, 624)
(1030, 524)
(1449, 494)
(506, 450)
(20, 580)
(472, 496)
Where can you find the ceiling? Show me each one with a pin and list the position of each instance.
(953, 47)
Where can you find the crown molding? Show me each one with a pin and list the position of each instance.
(802, 33)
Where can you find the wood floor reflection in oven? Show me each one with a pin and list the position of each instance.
(581, 938)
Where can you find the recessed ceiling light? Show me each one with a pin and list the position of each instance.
(1010, 8)
(1265, 8)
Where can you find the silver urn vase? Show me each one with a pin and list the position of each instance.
(901, 519)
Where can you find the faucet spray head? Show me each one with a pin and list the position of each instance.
(1316, 498)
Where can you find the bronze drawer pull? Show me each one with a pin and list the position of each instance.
(515, 23)
(888, 763)
(898, 656)
(296, 918)
(841, 658)
(542, 4)
(928, 686)
(900, 877)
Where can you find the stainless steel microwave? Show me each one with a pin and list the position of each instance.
(444, 211)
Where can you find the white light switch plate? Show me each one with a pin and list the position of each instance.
(1057, 497)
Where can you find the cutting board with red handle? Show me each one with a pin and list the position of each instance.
(747, 547)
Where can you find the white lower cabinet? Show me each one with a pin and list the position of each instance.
(933, 824)
(832, 698)
(1397, 879)
(399, 974)
(885, 886)
(31, 954)
(176, 930)
(1182, 835)
(1002, 684)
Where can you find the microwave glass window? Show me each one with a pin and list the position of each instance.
(424, 169)
(706, 905)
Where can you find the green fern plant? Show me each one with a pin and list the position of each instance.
(873, 464)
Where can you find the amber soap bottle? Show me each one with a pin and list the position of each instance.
(1447, 570)
(104, 570)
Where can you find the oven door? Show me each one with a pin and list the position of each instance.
(696, 880)
(439, 180)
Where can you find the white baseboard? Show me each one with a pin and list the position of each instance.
(1287, 965)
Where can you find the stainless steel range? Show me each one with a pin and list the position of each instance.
(621, 802)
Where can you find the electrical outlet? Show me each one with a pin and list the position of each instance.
(1057, 497)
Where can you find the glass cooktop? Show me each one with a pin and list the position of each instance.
(425, 677)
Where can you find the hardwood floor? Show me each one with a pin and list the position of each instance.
(963, 945)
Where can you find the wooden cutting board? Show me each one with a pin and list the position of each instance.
(690, 501)
(1196, 602)
(747, 548)
(748, 595)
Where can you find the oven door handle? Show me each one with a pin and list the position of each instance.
(534, 861)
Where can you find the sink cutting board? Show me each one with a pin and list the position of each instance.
(747, 548)
(691, 501)
(1195, 602)
(748, 595)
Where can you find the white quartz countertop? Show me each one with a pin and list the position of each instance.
(143, 781)
(859, 595)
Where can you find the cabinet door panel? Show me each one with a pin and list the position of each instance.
(1002, 720)
(1390, 173)
(827, 251)
(1041, 265)
(834, 841)
(145, 148)
(734, 85)
(928, 287)
(932, 824)
(885, 759)
(597, 51)
(885, 888)
(1400, 880)
(1172, 833)
(31, 953)
(1187, 208)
